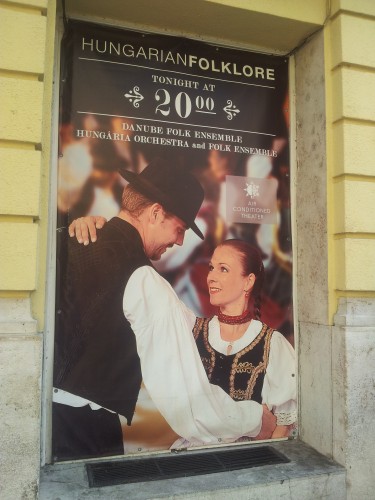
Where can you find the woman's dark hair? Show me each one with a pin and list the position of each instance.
(251, 261)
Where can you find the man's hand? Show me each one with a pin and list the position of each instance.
(268, 424)
(84, 227)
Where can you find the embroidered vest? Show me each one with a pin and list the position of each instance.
(240, 375)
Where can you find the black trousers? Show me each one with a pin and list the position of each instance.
(81, 432)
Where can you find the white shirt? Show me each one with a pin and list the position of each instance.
(279, 386)
(67, 398)
(172, 370)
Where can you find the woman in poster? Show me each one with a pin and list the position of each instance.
(246, 358)
(241, 354)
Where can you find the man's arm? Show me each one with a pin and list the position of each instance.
(173, 372)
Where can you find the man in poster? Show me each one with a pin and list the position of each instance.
(97, 367)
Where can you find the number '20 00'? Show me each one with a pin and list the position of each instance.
(182, 103)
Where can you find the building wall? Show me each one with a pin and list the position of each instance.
(25, 84)
(350, 88)
(335, 241)
(350, 63)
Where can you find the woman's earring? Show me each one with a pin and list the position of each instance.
(247, 293)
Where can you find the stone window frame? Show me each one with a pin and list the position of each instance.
(310, 297)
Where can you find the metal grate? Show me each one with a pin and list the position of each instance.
(172, 466)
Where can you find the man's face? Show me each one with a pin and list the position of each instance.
(167, 231)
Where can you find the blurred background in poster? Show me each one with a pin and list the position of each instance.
(90, 183)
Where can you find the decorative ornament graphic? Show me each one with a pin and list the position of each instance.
(252, 190)
(134, 96)
(231, 110)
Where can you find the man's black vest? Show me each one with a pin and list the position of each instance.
(95, 348)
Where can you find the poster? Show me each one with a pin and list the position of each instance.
(127, 100)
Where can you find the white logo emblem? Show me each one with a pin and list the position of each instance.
(252, 190)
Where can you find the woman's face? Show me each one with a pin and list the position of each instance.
(226, 283)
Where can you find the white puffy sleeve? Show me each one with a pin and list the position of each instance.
(279, 387)
(172, 370)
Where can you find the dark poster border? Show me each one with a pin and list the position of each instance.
(220, 113)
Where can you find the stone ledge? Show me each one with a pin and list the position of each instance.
(355, 312)
(15, 317)
(309, 475)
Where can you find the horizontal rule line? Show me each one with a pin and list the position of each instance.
(177, 72)
(174, 123)
(207, 112)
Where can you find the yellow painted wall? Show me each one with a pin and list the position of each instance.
(18, 250)
(357, 148)
(49, 134)
(350, 86)
(25, 93)
(32, 25)
(311, 12)
(22, 166)
(267, 25)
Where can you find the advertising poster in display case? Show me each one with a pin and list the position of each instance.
(168, 339)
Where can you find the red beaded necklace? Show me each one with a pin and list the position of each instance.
(235, 320)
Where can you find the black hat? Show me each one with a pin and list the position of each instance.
(176, 189)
